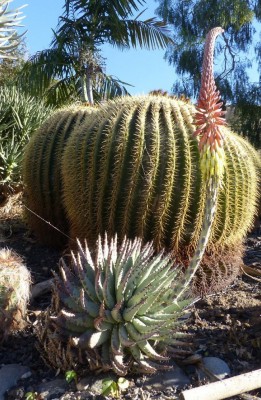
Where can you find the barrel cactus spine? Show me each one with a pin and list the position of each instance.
(127, 182)
(42, 175)
(15, 280)
(137, 173)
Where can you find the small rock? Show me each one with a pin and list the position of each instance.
(216, 366)
(16, 393)
(26, 375)
(84, 383)
(93, 384)
(9, 375)
(49, 390)
(163, 380)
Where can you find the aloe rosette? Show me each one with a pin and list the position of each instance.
(115, 311)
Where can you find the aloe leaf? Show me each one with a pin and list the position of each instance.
(116, 313)
(98, 338)
(115, 341)
(124, 337)
(77, 322)
(143, 328)
(145, 366)
(147, 349)
(130, 312)
(135, 335)
(89, 306)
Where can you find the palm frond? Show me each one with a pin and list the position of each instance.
(121, 8)
(41, 70)
(109, 87)
(61, 92)
(149, 34)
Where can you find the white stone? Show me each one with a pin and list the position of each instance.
(216, 366)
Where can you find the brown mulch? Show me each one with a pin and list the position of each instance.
(225, 325)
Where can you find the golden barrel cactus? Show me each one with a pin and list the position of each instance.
(42, 174)
(134, 170)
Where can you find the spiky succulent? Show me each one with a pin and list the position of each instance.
(9, 20)
(116, 309)
(15, 281)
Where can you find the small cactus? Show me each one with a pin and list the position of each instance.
(15, 282)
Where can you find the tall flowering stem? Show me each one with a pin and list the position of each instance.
(209, 117)
(209, 120)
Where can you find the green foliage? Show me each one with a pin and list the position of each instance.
(115, 23)
(73, 66)
(31, 396)
(20, 116)
(42, 174)
(245, 118)
(70, 376)
(10, 67)
(15, 282)
(190, 21)
(55, 75)
(116, 310)
(113, 388)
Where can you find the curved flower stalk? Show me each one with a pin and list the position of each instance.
(9, 20)
(209, 121)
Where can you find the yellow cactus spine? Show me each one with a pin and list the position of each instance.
(42, 175)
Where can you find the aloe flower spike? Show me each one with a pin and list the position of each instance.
(209, 121)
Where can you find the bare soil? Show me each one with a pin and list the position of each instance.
(225, 325)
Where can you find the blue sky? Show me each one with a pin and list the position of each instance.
(145, 70)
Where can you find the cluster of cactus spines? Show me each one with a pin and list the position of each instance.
(116, 311)
(15, 281)
(42, 174)
(137, 172)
